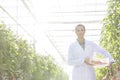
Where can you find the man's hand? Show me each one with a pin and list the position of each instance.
(99, 63)
(88, 61)
(94, 62)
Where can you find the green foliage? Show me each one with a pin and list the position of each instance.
(110, 35)
(18, 60)
(15, 54)
(44, 66)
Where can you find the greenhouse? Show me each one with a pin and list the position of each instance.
(35, 35)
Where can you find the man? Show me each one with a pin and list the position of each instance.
(80, 55)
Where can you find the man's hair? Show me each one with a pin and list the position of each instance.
(80, 25)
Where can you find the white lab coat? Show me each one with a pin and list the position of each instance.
(76, 56)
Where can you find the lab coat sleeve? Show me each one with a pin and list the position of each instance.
(102, 51)
(74, 59)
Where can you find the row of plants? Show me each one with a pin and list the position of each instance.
(110, 36)
(18, 60)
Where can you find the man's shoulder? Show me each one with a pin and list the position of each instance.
(89, 42)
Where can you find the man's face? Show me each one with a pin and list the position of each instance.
(80, 31)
